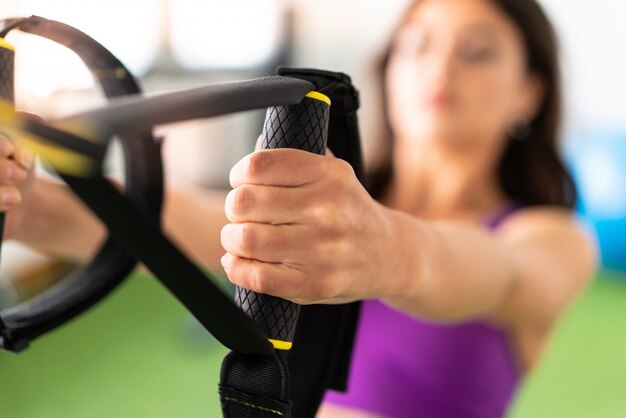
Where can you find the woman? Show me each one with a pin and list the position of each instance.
(466, 258)
(473, 105)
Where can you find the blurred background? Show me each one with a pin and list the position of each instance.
(138, 353)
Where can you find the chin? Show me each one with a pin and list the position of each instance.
(445, 137)
(441, 129)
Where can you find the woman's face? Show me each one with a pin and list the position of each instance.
(457, 75)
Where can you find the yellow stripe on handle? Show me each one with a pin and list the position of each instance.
(61, 159)
(281, 345)
(318, 96)
(6, 45)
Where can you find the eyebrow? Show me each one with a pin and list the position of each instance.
(478, 27)
(481, 28)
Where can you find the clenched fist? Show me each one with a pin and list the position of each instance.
(304, 229)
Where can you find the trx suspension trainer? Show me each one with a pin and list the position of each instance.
(283, 356)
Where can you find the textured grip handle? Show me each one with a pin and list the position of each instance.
(7, 67)
(303, 126)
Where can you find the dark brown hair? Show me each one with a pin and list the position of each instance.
(530, 170)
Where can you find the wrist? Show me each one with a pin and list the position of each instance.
(34, 203)
(407, 263)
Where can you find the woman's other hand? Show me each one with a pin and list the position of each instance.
(16, 180)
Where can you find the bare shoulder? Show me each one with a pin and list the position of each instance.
(555, 257)
(548, 223)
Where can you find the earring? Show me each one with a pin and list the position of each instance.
(520, 129)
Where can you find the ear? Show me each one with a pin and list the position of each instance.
(532, 95)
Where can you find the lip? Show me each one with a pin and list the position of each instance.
(440, 100)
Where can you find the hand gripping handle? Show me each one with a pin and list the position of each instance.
(7, 67)
(303, 126)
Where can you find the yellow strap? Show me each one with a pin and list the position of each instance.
(280, 344)
(318, 96)
(61, 159)
(6, 45)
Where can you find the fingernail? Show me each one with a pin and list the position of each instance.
(9, 198)
(15, 174)
(225, 261)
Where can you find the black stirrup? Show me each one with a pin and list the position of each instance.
(88, 284)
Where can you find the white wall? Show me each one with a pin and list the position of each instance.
(345, 35)
(593, 36)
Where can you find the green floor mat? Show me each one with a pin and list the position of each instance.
(139, 355)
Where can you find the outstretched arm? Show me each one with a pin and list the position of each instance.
(53, 219)
(48, 216)
(304, 229)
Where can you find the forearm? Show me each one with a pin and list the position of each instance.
(446, 271)
(57, 221)
(193, 217)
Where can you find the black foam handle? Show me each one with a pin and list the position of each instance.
(7, 92)
(303, 126)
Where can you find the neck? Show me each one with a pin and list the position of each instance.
(435, 183)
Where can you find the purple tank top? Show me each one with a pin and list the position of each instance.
(403, 367)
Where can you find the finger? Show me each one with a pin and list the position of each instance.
(267, 278)
(265, 204)
(11, 173)
(263, 242)
(285, 167)
(7, 148)
(25, 158)
(9, 198)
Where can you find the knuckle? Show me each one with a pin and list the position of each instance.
(242, 199)
(258, 279)
(225, 235)
(339, 168)
(322, 247)
(247, 238)
(10, 197)
(331, 218)
(328, 166)
(322, 211)
(256, 164)
(325, 290)
(343, 166)
(11, 173)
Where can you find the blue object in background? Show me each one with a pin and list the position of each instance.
(598, 164)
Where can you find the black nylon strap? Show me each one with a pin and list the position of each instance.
(239, 404)
(142, 238)
(322, 347)
(254, 386)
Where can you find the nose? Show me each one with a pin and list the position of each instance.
(440, 69)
